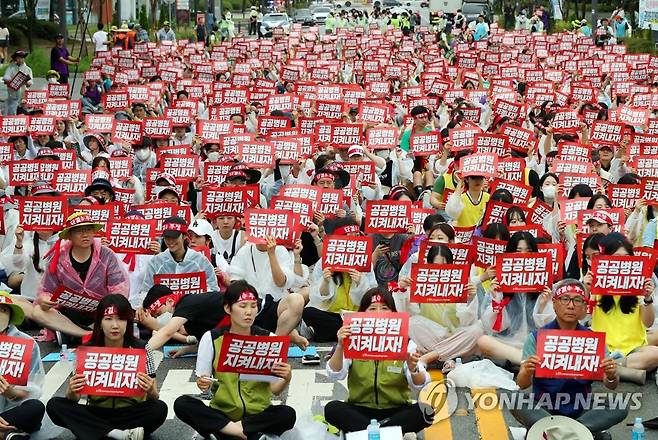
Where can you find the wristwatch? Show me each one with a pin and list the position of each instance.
(648, 301)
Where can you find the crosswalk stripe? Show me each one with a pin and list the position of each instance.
(441, 430)
(490, 421)
(54, 379)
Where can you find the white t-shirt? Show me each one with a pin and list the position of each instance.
(100, 40)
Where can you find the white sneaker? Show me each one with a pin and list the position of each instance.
(136, 434)
(410, 436)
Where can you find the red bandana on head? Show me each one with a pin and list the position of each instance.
(174, 227)
(377, 299)
(347, 229)
(569, 289)
(329, 176)
(175, 297)
(247, 296)
(421, 115)
(110, 310)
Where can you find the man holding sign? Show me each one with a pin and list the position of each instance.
(17, 77)
(241, 404)
(570, 304)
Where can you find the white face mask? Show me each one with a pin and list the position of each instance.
(213, 156)
(143, 154)
(549, 192)
(52, 80)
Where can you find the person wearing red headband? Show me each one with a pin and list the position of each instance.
(570, 303)
(248, 413)
(378, 390)
(121, 418)
(333, 292)
(79, 264)
(508, 318)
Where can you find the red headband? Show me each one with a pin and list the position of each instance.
(569, 288)
(110, 310)
(421, 115)
(247, 296)
(377, 299)
(347, 229)
(319, 176)
(175, 297)
(174, 227)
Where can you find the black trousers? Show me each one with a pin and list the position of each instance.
(27, 416)
(94, 423)
(349, 418)
(275, 419)
(325, 324)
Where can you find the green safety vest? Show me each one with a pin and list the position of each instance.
(330, 23)
(395, 22)
(378, 384)
(234, 398)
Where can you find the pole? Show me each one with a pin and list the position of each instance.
(61, 9)
(594, 6)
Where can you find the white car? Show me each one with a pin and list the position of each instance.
(321, 13)
(273, 21)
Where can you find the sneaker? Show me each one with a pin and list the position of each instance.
(15, 434)
(305, 330)
(136, 434)
(410, 436)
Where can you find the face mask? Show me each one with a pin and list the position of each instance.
(549, 192)
(213, 156)
(143, 154)
(4, 321)
(52, 80)
(164, 318)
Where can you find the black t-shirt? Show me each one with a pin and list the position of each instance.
(81, 268)
(203, 312)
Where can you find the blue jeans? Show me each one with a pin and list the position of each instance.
(12, 105)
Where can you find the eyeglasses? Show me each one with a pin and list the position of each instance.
(576, 300)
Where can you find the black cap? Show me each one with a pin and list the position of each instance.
(58, 36)
(178, 227)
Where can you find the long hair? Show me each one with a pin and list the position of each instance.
(126, 313)
(608, 245)
(439, 251)
(518, 237)
(36, 258)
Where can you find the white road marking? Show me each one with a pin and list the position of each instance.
(176, 383)
(54, 379)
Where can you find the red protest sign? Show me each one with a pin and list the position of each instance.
(302, 207)
(649, 191)
(620, 274)
(360, 172)
(303, 192)
(624, 196)
(26, 172)
(495, 212)
(110, 371)
(268, 123)
(71, 182)
(262, 223)
(519, 138)
(6, 153)
(439, 283)
(463, 138)
(342, 253)
(42, 213)
(99, 123)
(42, 125)
(571, 167)
(15, 358)
(115, 100)
(257, 154)
(186, 283)
(565, 121)
(462, 253)
(371, 113)
(479, 164)
(637, 117)
(557, 258)
(425, 144)
(248, 354)
(491, 143)
(569, 209)
(570, 354)
(159, 211)
(387, 216)
(184, 167)
(212, 131)
(417, 218)
(79, 301)
(487, 250)
(506, 109)
(345, 134)
(127, 131)
(377, 336)
(18, 80)
(14, 125)
(523, 272)
(215, 172)
(131, 236)
(569, 180)
(227, 200)
(157, 128)
(287, 149)
(56, 90)
(382, 137)
(606, 132)
(331, 200)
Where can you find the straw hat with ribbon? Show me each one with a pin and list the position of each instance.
(75, 220)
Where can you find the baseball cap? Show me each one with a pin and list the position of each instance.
(355, 150)
(173, 227)
(601, 217)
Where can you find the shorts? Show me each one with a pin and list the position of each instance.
(4, 43)
(268, 317)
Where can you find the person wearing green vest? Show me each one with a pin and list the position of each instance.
(239, 408)
(378, 390)
(333, 291)
(395, 21)
(120, 418)
(330, 23)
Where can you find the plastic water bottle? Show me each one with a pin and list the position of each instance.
(136, 330)
(638, 429)
(458, 362)
(373, 430)
(64, 353)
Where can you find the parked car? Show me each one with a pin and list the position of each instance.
(321, 13)
(303, 16)
(472, 9)
(273, 21)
